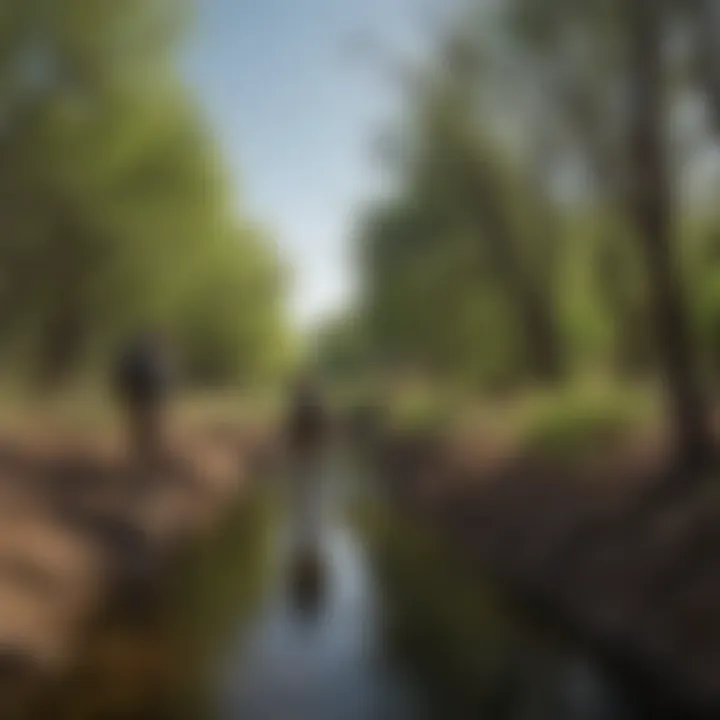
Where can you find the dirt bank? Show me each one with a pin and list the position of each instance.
(81, 528)
(638, 581)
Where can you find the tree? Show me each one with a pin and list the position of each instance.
(537, 135)
(454, 236)
(653, 214)
(115, 206)
(705, 18)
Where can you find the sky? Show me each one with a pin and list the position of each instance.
(296, 96)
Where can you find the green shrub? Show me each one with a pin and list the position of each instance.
(422, 412)
(576, 425)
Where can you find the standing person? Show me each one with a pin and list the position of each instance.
(306, 431)
(142, 384)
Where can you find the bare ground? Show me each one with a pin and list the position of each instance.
(81, 526)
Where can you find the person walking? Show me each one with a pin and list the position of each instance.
(142, 384)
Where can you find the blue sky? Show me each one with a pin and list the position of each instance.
(296, 106)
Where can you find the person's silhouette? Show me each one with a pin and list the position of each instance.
(142, 379)
(305, 437)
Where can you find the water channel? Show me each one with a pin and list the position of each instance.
(403, 630)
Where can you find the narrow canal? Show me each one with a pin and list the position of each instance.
(402, 630)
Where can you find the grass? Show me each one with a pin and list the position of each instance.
(422, 411)
(582, 421)
(573, 422)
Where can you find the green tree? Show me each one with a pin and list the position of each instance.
(654, 208)
(115, 207)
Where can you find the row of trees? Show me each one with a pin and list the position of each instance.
(554, 201)
(115, 210)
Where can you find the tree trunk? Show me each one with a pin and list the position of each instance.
(653, 215)
(706, 18)
(530, 301)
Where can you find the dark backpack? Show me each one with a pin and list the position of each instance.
(140, 374)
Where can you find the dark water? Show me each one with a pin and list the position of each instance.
(401, 630)
(326, 661)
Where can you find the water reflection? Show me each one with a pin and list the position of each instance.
(159, 666)
(327, 666)
(395, 627)
(468, 647)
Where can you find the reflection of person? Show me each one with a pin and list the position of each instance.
(142, 379)
(306, 429)
(307, 421)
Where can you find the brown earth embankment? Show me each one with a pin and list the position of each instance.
(83, 528)
(631, 572)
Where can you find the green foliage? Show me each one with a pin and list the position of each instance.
(227, 574)
(117, 214)
(456, 630)
(703, 252)
(507, 255)
(343, 350)
(579, 425)
(422, 410)
(434, 300)
(461, 265)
